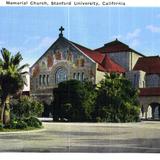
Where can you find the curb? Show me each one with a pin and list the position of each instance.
(29, 131)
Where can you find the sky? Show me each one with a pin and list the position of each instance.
(32, 30)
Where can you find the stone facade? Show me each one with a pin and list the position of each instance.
(125, 59)
(62, 61)
(137, 78)
(152, 80)
(133, 59)
(150, 107)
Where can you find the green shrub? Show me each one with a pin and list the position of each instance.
(1, 127)
(21, 125)
(24, 123)
(26, 107)
(33, 122)
(16, 124)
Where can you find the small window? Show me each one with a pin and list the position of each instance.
(82, 76)
(44, 79)
(78, 76)
(74, 75)
(47, 79)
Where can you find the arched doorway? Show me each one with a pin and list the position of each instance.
(153, 111)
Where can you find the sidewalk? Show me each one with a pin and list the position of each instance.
(46, 119)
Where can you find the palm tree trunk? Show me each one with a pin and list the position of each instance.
(3, 105)
(2, 112)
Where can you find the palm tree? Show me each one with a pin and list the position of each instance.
(12, 78)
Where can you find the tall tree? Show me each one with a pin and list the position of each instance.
(12, 78)
(116, 100)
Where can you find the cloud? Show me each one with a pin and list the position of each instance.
(42, 44)
(39, 48)
(134, 34)
(30, 39)
(132, 38)
(31, 48)
(15, 50)
(2, 44)
(129, 36)
(153, 28)
(46, 41)
(134, 42)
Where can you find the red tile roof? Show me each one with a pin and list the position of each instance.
(95, 55)
(109, 65)
(106, 64)
(116, 46)
(150, 91)
(150, 65)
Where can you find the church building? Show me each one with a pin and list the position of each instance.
(66, 60)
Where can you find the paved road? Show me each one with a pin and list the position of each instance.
(85, 137)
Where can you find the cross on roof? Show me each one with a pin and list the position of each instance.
(61, 29)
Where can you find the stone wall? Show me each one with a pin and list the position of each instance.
(145, 102)
(125, 59)
(133, 59)
(152, 80)
(137, 78)
(99, 75)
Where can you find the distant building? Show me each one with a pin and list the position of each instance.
(66, 60)
(26, 89)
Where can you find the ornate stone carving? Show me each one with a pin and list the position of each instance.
(58, 55)
(50, 61)
(69, 55)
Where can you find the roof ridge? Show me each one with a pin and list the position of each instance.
(115, 41)
(157, 56)
(112, 43)
(81, 45)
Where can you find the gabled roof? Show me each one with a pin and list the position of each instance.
(105, 63)
(116, 46)
(150, 65)
(150, 91)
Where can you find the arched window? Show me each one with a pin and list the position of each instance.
(61, 75)
(78, 76)
(47, 79)
(44, 79)
(82, 76)
(74, 75)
